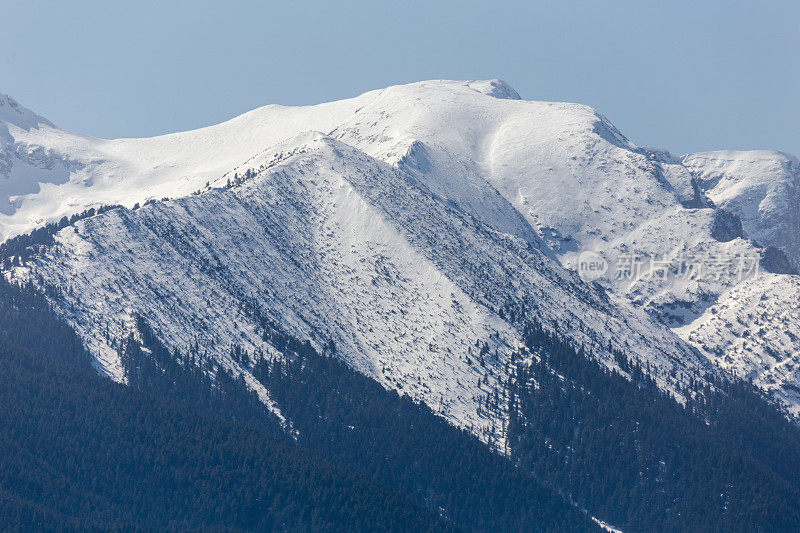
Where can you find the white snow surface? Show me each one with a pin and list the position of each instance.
(396, 224)
(761, 187)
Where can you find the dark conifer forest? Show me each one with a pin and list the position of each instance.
(727, 461)
(81, 452)
(173, 451)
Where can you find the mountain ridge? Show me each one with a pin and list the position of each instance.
(558, 176)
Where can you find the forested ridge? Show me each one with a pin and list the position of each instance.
(81, 452)
(174, 450)
(351, 420)
(727, 460)
(618, 447)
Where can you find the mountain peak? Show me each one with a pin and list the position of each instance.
(12, 112)
(496, 87)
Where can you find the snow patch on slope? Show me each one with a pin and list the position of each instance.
(753, 331)
(761, 187)
(52, 173)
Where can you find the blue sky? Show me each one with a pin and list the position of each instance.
(686, 76)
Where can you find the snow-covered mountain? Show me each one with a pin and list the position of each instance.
(354, 256)
(411, 230)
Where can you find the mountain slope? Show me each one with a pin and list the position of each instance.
(753, 331)
(170, 451)
(762, 188)
(153, 464)
(49, 172)
(351, 255)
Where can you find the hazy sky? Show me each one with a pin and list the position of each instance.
(686, 76)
